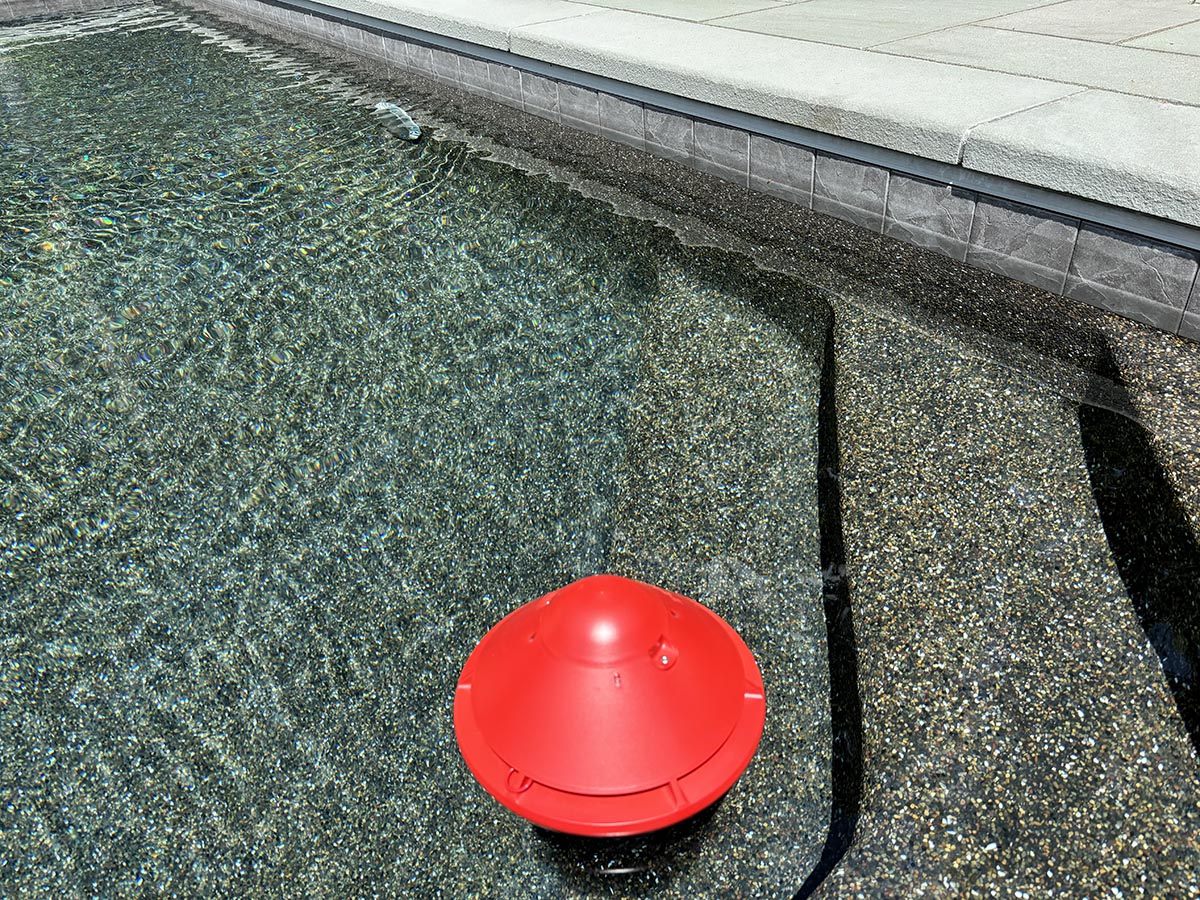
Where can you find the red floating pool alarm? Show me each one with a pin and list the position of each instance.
(609, 707)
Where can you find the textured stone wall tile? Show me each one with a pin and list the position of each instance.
(1132, 276)
(781, 169)
(420, 59)
(622, 120)
(395, 53)
(296, 21)
(22, 9)
(474, 75)
(1021, 242)
(850, 190)
(669, 135)
(367, 43)
(332, 33)
(363, 42)
(291, 16)
(579, 107)
(316, 27)
(505, 84)
(937, 216)
(288, 18)
(722, 151)
(540, 95)
(445, 66)
(268, 12)
(1129, 275)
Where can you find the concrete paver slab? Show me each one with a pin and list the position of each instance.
(1131, 70)
(692, 10)
(1101, 20)
(862, 23)
(1184, 39)
(1130, 151)
(485, 22)
(909, 105)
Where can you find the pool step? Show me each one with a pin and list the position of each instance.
(1019, 734)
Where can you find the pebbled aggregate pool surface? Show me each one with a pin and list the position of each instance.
(292, 411)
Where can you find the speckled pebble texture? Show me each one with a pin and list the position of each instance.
(717, 500)
(1019, 738)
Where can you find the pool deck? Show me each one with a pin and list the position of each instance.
(1053, 142)
(1096, 100)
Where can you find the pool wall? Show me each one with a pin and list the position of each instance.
(1114, 258)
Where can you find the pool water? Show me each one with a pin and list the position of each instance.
(292, 411)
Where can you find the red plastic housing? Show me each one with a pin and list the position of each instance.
(609, 707)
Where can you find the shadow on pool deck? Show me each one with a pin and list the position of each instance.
(1155, 552)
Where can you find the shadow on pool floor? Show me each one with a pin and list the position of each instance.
(1152, 544)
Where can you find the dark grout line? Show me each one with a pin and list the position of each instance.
(1157, 31)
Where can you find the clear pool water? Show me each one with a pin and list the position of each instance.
(292, 411)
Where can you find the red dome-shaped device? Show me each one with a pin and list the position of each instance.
(609, 707)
